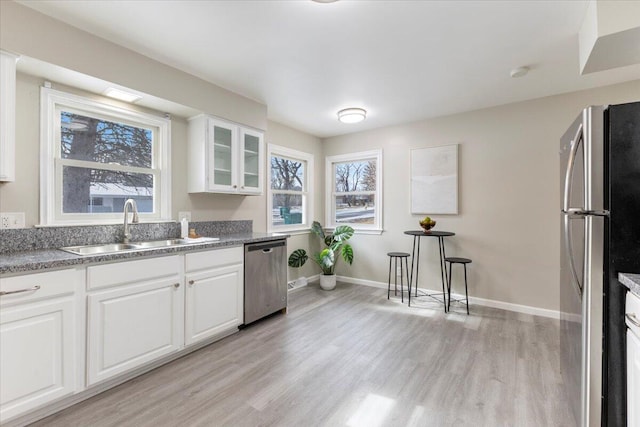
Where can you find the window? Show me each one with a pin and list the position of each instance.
(96, 156)
(354, 190)
(289, 205)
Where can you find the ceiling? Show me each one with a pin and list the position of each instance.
(401, 60)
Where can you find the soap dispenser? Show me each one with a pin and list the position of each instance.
(184, 228)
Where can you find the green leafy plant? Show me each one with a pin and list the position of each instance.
(335, 242)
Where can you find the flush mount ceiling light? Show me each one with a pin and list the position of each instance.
(121, 95)
(352, 115)
(519, 72)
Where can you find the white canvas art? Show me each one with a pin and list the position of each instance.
(434, 180)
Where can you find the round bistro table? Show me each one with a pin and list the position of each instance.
(415, 259)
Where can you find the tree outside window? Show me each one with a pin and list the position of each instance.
(354, 196)
(98, 142)
(97, 156)
(289, 188)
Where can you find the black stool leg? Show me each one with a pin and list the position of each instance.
(401, 283)
(410, 277)
(406, 268)
(443, 270)
(389, 283)
(466, 292)
(395, 274)
(449, 286)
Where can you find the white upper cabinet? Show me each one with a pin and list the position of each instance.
(251, 142)
(224, 157)
(7, 116)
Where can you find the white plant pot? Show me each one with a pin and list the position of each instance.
(327, 283)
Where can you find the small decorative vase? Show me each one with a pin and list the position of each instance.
(328, 282)
(427, 228)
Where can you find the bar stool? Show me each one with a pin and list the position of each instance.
(464, 262)
(395, 256)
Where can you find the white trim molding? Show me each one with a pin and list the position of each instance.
(518, 308)
(51, 103)
(330, 214)
(306, 193)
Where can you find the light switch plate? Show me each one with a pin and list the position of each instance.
(11, 220)
(185, 214)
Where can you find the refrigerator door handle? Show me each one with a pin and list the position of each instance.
(585, 212)
(570, 164)
(569, 248)
(567, 211)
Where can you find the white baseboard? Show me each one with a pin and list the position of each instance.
(294, 285)
(518, 308)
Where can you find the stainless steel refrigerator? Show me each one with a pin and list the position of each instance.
(600, 237)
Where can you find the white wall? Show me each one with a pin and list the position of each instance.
(23, 194)
(27, 32)
(508, 220)
(509, 171)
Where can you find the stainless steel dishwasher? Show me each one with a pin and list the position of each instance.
(265, 279)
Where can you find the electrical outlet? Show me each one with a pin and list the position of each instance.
(11, 220)
(185, 214)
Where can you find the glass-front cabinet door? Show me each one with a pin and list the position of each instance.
(251, 161)
(222, 156)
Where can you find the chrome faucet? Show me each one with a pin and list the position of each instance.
(130, 203)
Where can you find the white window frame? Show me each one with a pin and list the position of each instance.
(330, 185)
(51, 162)
(307, 193)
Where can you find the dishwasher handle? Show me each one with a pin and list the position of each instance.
(266, 247)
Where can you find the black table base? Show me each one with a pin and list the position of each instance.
(415, 260)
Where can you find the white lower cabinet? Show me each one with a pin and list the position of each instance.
(214, 295)
(132, 313)
(633, 359)
(38, 339)
(133, 323)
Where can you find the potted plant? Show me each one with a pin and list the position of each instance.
(327, 258)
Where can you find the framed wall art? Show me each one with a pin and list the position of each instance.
(434, 180)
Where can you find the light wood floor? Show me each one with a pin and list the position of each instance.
(351, 358)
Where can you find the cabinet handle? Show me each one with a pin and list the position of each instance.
(191, 282)
(631, 317)
(176, 285)
(19, 291)
(235, 186)
(243, 187)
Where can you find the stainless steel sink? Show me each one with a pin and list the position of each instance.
(100, 249)
(109, 248)
(161, 243)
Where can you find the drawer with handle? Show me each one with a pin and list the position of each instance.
(30, 287)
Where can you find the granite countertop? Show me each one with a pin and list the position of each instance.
(631, 281)
(35, 260)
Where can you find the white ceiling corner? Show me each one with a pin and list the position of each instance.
(400, 60)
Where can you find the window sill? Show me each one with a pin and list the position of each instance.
(105, 222)
(371, 231)
(292, 232)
